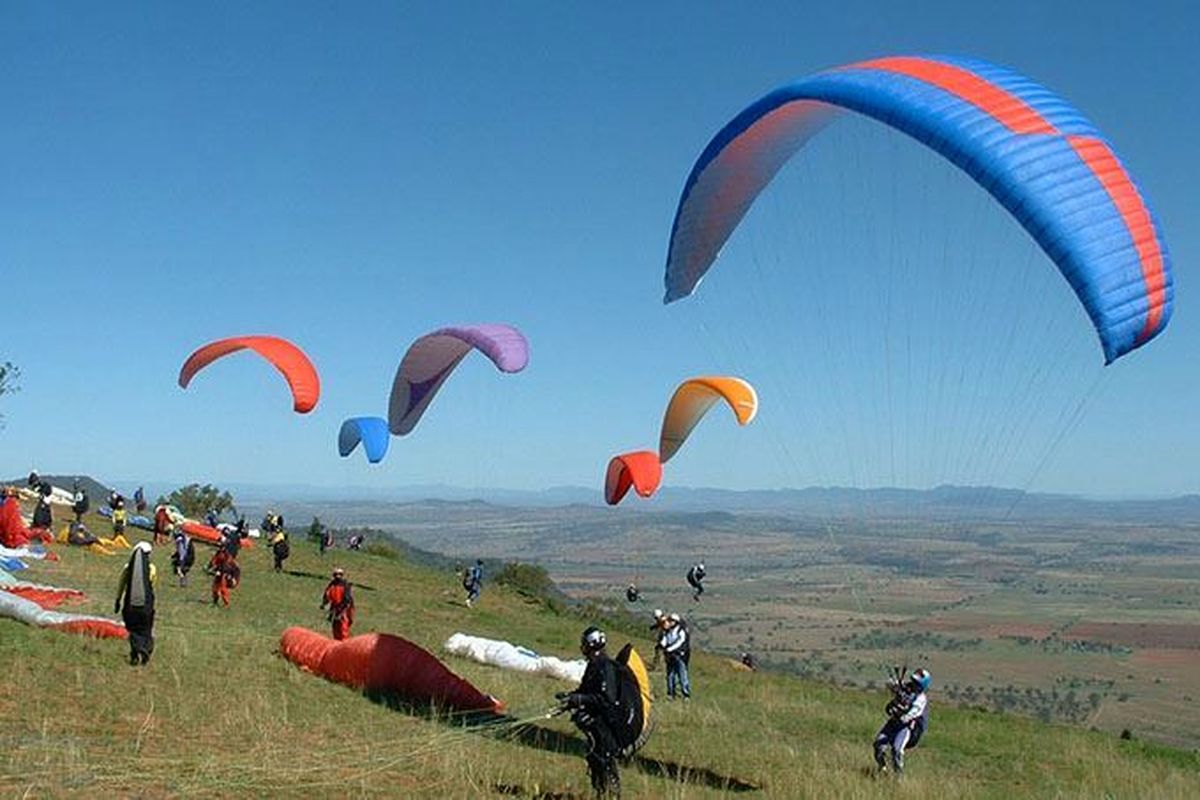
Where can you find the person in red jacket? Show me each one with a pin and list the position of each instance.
(340, 601)
(226, 572)
(162, 525)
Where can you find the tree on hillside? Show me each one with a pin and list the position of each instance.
(195, 500)
(315, 530)
(8, 381)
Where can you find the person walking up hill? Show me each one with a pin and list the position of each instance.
(135, 602)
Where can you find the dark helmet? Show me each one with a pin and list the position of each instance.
(593, 640)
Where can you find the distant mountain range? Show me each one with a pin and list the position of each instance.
(945, 502)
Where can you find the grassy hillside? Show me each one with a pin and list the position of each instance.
(218, 713)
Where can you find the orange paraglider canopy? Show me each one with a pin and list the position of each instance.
(289, 359)
(381, 662)
(641, 469)
(691, 402)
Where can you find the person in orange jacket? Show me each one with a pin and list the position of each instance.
(340, 602)
(226, 573)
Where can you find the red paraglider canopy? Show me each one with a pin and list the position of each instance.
(289, 359)
(641, 469)
(387, 663)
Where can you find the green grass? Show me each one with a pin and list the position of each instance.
(219, 713)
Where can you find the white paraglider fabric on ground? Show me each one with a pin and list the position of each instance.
(509, 656)
(31, 613)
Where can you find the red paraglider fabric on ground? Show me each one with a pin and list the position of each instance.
(13, 532)
(45, 596)
(387, 663)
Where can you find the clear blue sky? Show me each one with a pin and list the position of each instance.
(351, 176)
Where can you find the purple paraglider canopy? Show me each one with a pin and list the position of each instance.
(431, 359)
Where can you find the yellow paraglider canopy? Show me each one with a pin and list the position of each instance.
(691, 402)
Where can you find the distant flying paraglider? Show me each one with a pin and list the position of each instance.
(371, 431)
(431, 359)
(286, 357)
(691, 402)
(1040, 158)
(640, 470)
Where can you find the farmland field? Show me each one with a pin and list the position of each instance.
(1077, 618)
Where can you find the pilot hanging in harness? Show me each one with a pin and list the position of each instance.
(695, 579)
(908, 717)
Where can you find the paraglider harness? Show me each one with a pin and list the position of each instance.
(227, 566)
(339, 611)
(901, 703)
(82, 504)
(695, 578)
(472, 578)
(627, 718)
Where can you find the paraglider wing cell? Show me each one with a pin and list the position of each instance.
(431, 359)
(691, 402)
(641, 470)
(286, 357)
(371, 431)
(1039, 157)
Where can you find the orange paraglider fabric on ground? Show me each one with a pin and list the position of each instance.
(381, 662)
(642, 470)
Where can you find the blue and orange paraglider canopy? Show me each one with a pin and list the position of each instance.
(1038, 156)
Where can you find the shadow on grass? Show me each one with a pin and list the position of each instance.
(508, 728)
(516, 790)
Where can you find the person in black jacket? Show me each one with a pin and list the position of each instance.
(595, 710)
(135, 602)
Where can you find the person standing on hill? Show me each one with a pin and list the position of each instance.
(595, 709)
(42, 517)
(225, 571)
(135, 602)
(139, 500)
(280, 548)
(473, 582)
(119, 518)
(183, 557)
(676, 646)
(339, 599)
(82, 504)
(162, 524)
(908, 717)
